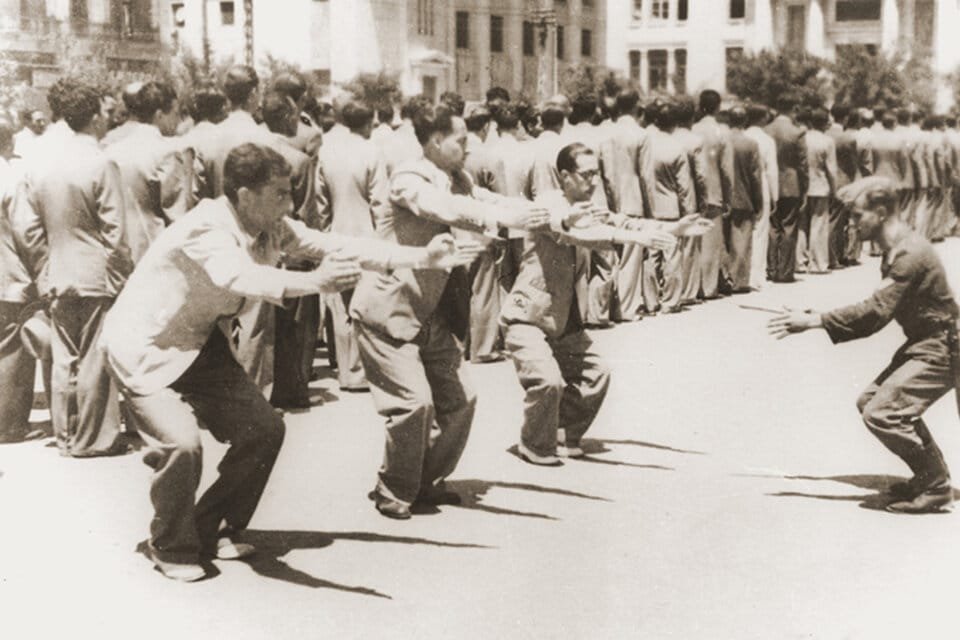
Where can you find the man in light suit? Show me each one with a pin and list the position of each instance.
(718, 167)
(352, 192)
(843, 132)
(403, 146)
(690, 247)
(73, 211)
(170, 343)
(793, 181)
(564, 381)
(813, 242)
(758, 116)
(624, 155)
(545, 147)
(129, 97)
(914, 178)
(408, 322)
(746, 202)
(155, 173)
(670, 193)
(308, 137)
(953, 145)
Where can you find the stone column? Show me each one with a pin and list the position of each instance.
(946, 50)
(815, 29)
(645, 69)
(890, 25)
(480, 32)
(763, 26)
(671, 70)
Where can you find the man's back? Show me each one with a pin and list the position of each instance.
(237, 129)
(352, 185)
(517, 159)
(747, 192)
(717, 160)
(791, 157)
(890, 159)
(671, 177)
(624, 158)
(821, 160)
(848, 158)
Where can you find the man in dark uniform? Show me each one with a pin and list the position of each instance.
(915, 293)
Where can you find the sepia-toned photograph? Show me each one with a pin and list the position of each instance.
(479, 319)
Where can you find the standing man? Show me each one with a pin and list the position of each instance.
(843, 132)
(409, 321)
(916, 294)
(308, 137)
(758, 116)
(169, 343)
(73, 211)
(793, 181)
(696, 161)
(718, 170)
(912, 180)
(813, 244)
(352, 194)
(34, 124)
(746, 202)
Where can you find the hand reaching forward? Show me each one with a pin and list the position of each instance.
(444, 252)
(692, 225)
(791, 321)
(336, 273)
(655, 239)
(584, 214)
(527, 217)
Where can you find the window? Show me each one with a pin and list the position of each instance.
(227, 15)
(79, 18)
(657, 72)
(738, 9)
(682, 10)
(425, 17)
(796, 26)
(496, 34)
(561, 48)
(586, 43)
(179, 15)
(660, 9)
(858, 10)
(635, 66)
(732, 55)
(637, 10)
(680, 75)
(463, 30)
(528, 38)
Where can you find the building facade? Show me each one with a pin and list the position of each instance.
(38, 34)
(685, 45)
(433, 45)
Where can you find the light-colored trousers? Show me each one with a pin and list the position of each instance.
(813, 237)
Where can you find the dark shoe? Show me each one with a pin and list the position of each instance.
(390, 508)
(930, 501)
(179, 571)
(906, 490)
(439, 497)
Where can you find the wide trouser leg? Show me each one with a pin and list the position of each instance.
(758, 253)
(802, 264)
(17, 371)
(908, 206)
(652, 275)
(782, 252)
(711, 254)
(216, 393)
(922, 215)
(630, 282)
(255, 343)
(603, 270)
(936, 228)
(485, 307)
(586, 381)
(543, 385)
(84, 406)
(818, 209)
(663, 280)
(290, 386)
(738, 235)
(402, 394)
(350, 373)
(690, 266)
(892, 408)
(838, 233)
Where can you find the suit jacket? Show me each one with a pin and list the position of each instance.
(213, 145)
(913, 171)
(671, 177)
(627, 171)
(696, 161)
(864, 138)
(953, 146)
(424, 202)
(486, 169)
(16, 280)
(72, 211)
(890, 157)
(117, 134)
(747, 192)
(791, 157)
(768, 162)
(402, 147)
(822, 163)
(308, 138)
(718, 162)
(517, 162)
(848, 156)
(352, 187)
(544, 176)
(156, 177)
(302, 175)
(193, 280)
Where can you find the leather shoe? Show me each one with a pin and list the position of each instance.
(534, 458)
(227, 549)
(389, 507)
(931, 501)
(179, 571)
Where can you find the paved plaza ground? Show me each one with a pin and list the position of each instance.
(730, 492)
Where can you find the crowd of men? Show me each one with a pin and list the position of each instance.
(190, 258)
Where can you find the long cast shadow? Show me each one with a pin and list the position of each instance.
(472, 492)
(648, 445)
(619, 463)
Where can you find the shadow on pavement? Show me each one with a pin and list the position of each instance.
(472, 493)
(618, 463)
(877, 501)
(522, 486)
(639, 443)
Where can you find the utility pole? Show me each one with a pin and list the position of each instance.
(206, 35)
(248, 31)
(544, 18)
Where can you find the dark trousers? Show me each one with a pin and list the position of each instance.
(84, 407)
(892, 407)
(738, 239)
(17, 375)
(297, 325)
(485, 294)
(601, 306)
(782, 250)
(420, 389)
(215, 393)
(663, 280)
(565, 383)
(712, 254)
(839, 233)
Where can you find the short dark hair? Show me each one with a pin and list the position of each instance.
(950, 121)
(356, 115)
(454, 101)
(709, 102)
(567, 158)
(207, 103)
(853, 120)
(241, 81)
(429, 120)
(552, 117)
(277, 109)
(738, 117)
(497, 93)
(414, 104)
(903, 116)
(507, 117)
(582, 109)
(757, 115)
(666, 116)
(81, 103)
(840, 112)
(785, 102)
(479, 118)
(686, 111)
(152, 97)
(56, 95)
(290, 83)
(888, 120)
(251, 166)
(626, 102)
(385, 113)
(819, 118)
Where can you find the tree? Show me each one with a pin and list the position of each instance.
(378, 90)
(762, 77)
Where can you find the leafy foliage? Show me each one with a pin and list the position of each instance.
(376, 89)
(762, 77)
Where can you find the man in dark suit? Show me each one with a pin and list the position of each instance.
(813, 245)
(692, 144)
(409, 323)
(72, 207)
(307, 137)
(794, 177)
(746, 202)
(843, 132)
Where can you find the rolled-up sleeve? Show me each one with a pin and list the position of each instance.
(417, 195)
(873, 314)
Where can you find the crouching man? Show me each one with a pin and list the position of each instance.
(170, 343)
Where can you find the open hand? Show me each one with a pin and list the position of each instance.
(656, 239)
(791, 321)
(443, 252)
(529, 217)
(692, 225)
(336, 273)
